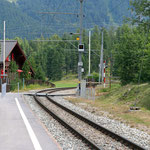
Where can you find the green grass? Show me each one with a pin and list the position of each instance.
(129, 94)
(114, 87)
(118, 100)
(133, 119)
(32, 87)
(69, 80)
(66, 83)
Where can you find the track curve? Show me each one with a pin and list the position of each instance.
(123, 140)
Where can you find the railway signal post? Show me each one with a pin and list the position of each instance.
(80, 49)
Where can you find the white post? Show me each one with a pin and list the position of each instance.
(4, 52)
(18, 87)
(101, 61)
(89, 52)
(104, 74)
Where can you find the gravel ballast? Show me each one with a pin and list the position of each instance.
(133, 134)
(100, 139)
(66, 140)
(69, 142)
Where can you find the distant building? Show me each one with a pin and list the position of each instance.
(13, 52)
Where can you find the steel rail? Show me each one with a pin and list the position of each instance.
(104, 130)
(43, 95)
(67, 126)
(51, 90)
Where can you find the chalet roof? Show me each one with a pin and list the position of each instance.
(10, 44)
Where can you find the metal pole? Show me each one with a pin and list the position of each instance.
(81, 20)
(23, 83)
(101, 61)
(80, 53)
(18, 87)
(110, 69)
(4, 53)
(89, 52)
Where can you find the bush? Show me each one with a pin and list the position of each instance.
(94, 77)
(14, 84)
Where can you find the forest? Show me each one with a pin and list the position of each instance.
(126, 50)
(24, 19)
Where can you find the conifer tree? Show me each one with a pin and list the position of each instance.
(26, 71)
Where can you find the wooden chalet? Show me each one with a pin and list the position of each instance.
(13, 52)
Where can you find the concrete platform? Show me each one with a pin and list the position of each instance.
(20, 129)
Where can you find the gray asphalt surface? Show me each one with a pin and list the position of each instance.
(13, 132)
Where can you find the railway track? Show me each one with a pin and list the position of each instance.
(52, 107)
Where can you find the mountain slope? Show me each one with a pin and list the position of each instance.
(24, 19)
(15, 19)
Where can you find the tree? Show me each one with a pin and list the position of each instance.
(13, 70)
(14, 77)
(13, 67)
(141, 9)
(145, 64)
(40, 73)
(26, 69)
(95, 45)
(128, 54)
(55, 65)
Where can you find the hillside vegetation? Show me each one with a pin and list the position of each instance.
(119, 99)
(23, 17)
(131, 95)
(116, 102)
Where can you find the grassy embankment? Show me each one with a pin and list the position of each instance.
(118, 100)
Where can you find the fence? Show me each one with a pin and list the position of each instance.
(40, 82)
(12, 86)
(88, 88)
(87, 92)
(90, 93)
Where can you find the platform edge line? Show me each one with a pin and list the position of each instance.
(28, 127)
